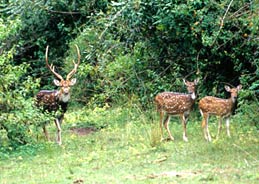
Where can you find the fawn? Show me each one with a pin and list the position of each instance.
(172, 103)
(223, 108)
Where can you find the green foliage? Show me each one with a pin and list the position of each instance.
(248, 100)
(144, 47)
(131, 50)
(8, 28)
(46, 23)
(18, 116)
(139, 48)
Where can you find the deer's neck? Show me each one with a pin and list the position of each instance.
(193, 96)
(63, 97)
(231, 102)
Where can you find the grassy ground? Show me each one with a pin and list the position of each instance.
(126, 149)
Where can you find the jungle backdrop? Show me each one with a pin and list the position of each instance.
(131, 50)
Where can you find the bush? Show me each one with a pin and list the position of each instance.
(18, 116)
(249, 105)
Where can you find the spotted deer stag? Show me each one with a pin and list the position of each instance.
(223, 108)
(172, 103)
(54, 100)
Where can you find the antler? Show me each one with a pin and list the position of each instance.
(75, 64)
(51, 67)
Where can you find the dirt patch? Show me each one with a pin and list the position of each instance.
(181, 174)
(82, 131)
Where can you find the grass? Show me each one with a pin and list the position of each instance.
(126, 149)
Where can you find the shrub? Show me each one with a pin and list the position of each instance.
(18, 116)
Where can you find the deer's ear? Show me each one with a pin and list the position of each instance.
(185, 81)
(239, 87)
(73, 81)
(196, 81)
(227, 88)
(56, 82)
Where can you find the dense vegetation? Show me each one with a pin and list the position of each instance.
(131, 50)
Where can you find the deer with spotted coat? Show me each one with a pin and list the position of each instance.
(172, 103)
(223, 108)
(54, 100)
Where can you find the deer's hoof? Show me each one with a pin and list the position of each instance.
(208, 139)
(171, 138)
(168, 139)
(185, 139)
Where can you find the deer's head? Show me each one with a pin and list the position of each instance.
(191, 87)
(64, 84)
(233, 92)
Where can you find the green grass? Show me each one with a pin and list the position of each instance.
(125, 149)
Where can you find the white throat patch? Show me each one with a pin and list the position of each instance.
(193, 96)
(64, 97)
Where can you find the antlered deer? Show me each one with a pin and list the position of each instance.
(53, 100)
(171, 103)
(210, 105)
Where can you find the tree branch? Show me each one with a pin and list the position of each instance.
(112, 21)
(62, 12)
(222, 22)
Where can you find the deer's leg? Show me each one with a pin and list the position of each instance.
(184, 122)
(58, 125)
(205, 126)
(166, 124)
(45, 132)
(219, 127)
(227, 125)
(161, 113)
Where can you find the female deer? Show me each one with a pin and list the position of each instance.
(171, 103)
(210, 105)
